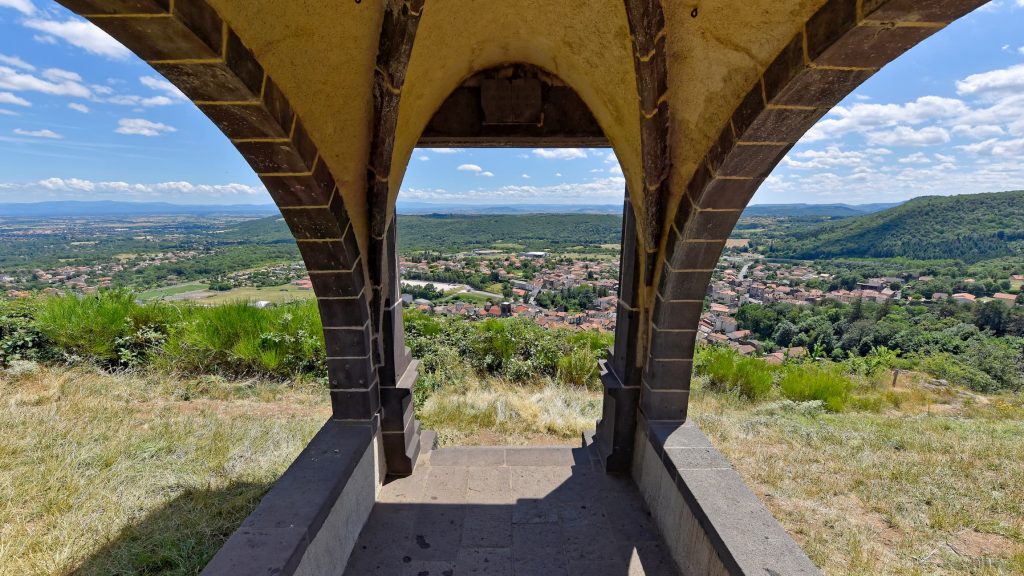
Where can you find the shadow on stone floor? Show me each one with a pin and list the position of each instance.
(510, 511)
(178, 538)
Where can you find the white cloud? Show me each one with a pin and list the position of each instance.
(54, 81)
(8, 98)
(906, 136)
(81, 188)
(81, 34)
(16, 62)
(526, 176)
(8, 113)
(600, 191)
(469, 168)
(560, 153)
(79, 107)
(861, 118)
(996, 147)
(59, 75)
(615, 169)
(24, 6)
(915, 158)
(487, 174)
(133, 100)
(44, 39)
(423, 158)
(445, 150)
(977, 132)
(558, 174)
(160, 85)
(38, 133)
(142, 127)
(829, 158)
(994, 83)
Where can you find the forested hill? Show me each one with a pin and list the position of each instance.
(812, 210)
(970, 228)
(460, 232)
(449, 232)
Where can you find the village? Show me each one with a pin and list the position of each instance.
(574, 289)
(86, 279)
(740, 278)
(524, 278)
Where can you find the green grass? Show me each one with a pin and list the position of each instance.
(728, 370)
(274, 294)
(802, 383)
(113, 330)
(158, 293)
(474, 299)
(240, 340)
(100, 327)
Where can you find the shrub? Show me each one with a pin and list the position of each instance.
(805, 382)
(109, 327)
(517, 370)
(579, 368)
(20, 337)
(728, 370)
(513, 348)
(240, 340)
(949, 368)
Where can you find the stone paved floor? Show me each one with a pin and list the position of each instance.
(510, 511)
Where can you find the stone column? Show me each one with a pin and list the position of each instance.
(620, 373)
(398, 371)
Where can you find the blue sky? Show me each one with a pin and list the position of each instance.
(83, 118)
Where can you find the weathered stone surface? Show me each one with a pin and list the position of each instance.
(873, 46)
(568, 516)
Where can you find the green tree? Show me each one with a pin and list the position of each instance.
(991, 316)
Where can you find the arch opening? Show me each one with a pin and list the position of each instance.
(516, 106)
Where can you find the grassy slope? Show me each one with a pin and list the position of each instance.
(924, 228)
(909, 492)
(123, 475)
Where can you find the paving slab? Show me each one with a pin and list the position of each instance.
(546, 511)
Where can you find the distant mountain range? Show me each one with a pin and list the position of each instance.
(815, 210)
(73, 209)
(443, 208)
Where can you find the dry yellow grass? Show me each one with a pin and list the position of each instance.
(493, 411)
(936, 487)
(125, 474)
(104, 474)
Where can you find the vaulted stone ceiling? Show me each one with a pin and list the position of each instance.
(323, 56)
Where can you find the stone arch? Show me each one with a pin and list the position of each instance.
(839, 47)
(189, 43)
(621, 62)
(439, 63)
